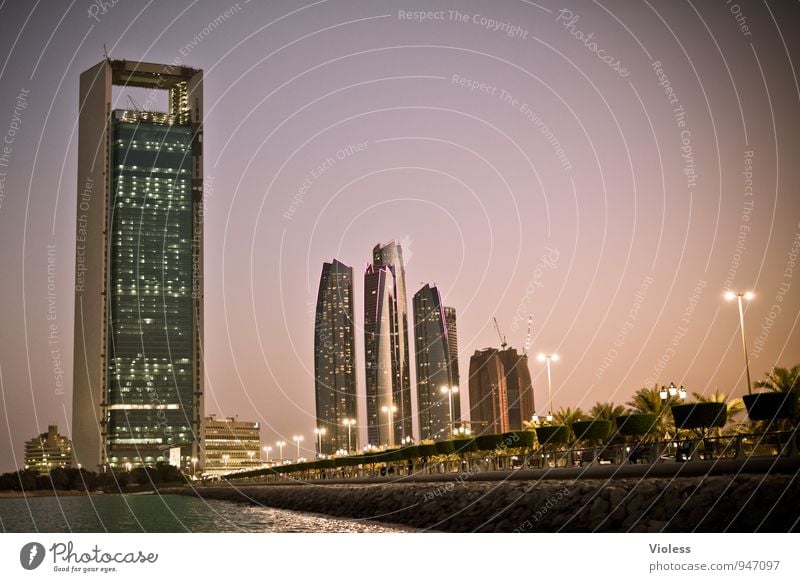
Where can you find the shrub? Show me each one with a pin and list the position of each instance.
(489, 442)
(700, 414)
(592, 430)
(519, 439)
(464, 445)
(553, 434)
(636, 424)
(427, 450)
(769, 405)
(445, 448)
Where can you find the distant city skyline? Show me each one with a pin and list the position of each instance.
(519, 173)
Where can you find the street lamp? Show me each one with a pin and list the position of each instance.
(280, 444)
(672, 391)
(450, 390)
(225, 459)
(267, 450)
(349, 423)
(298, 440)
(547, 358)
(390, 410)
(319, 432)
(748, 295)
(194, 466)
(251, 454)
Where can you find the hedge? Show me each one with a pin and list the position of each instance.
(769, 405)
(489, 442)
(592, 430)
(519, 439)
(700, 414)
(445, 448)
(636, 424)
(553, 434)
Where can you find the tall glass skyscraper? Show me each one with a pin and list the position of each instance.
(138, 378)
(334, 359)
(386, 347)
(434, 360)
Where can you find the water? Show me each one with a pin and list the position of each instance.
(163, 513)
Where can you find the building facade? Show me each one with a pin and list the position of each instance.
(230, 445)
(48, 451)
(434, 360)
(138, 368)
(500, 391)
(334, 359)
(386, 348)
(488, 396)
(519, 388)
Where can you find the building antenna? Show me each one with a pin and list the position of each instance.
(528, 337)
(105, 52)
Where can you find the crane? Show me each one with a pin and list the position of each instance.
(528, 336)
(503, 343)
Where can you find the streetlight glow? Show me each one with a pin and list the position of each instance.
(548, 358)
(748, 295)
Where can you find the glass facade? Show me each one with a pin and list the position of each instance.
(334, 359)
(151, 323)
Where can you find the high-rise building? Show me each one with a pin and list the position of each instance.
(519, 388)
(138, 367)
(488, 396)
(386, 347)
(48, 451)
(500, 390)
(434, 360)
(452, 343)
(231, 444)
(334, 359)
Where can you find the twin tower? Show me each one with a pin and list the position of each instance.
(386, 354)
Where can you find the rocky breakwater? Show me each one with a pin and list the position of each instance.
(743, 503)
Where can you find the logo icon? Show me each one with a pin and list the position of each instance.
(31, 555)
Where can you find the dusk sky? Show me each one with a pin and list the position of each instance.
(610, 167)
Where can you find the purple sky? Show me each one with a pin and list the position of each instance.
(519, 170)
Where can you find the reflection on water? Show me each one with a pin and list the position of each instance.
(163, 513)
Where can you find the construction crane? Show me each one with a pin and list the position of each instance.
(528, 336)
(503, 343)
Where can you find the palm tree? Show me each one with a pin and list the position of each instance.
(786, 382)
(607, 411)
(648, 401)
(567, 416)
(735, 406)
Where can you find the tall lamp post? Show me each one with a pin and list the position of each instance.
(298, 440)
(349, 423)
(280, 444)
(748, 295)
(547, 358)
(450, 390)
(267, 450)
(390, 410)
(319, 432)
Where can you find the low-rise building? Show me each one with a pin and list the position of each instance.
(48, 451)
(231, 444)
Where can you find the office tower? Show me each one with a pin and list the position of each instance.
(519, 388)
(391, 255)
(500, 390)
(434, 358)
(334, 359)
(452, 343)
(488, 396)
(231, 444)
(49, 450)
(138, 368)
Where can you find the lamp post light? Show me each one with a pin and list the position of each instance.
(349, 423)
(251, 454)
(547, 358)
(194, 466)
(280, 444)
(748, 295)
(390, 410)
(319, 432)
(225, 459)
(267, 450)
(298, 439)
(450, 390)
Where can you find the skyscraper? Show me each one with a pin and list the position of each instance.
(386, 346)
(452, 343)
(500, 390)
(488, 396)
(434, 360)
(334, 358)
(138, 368)
(519, 388)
